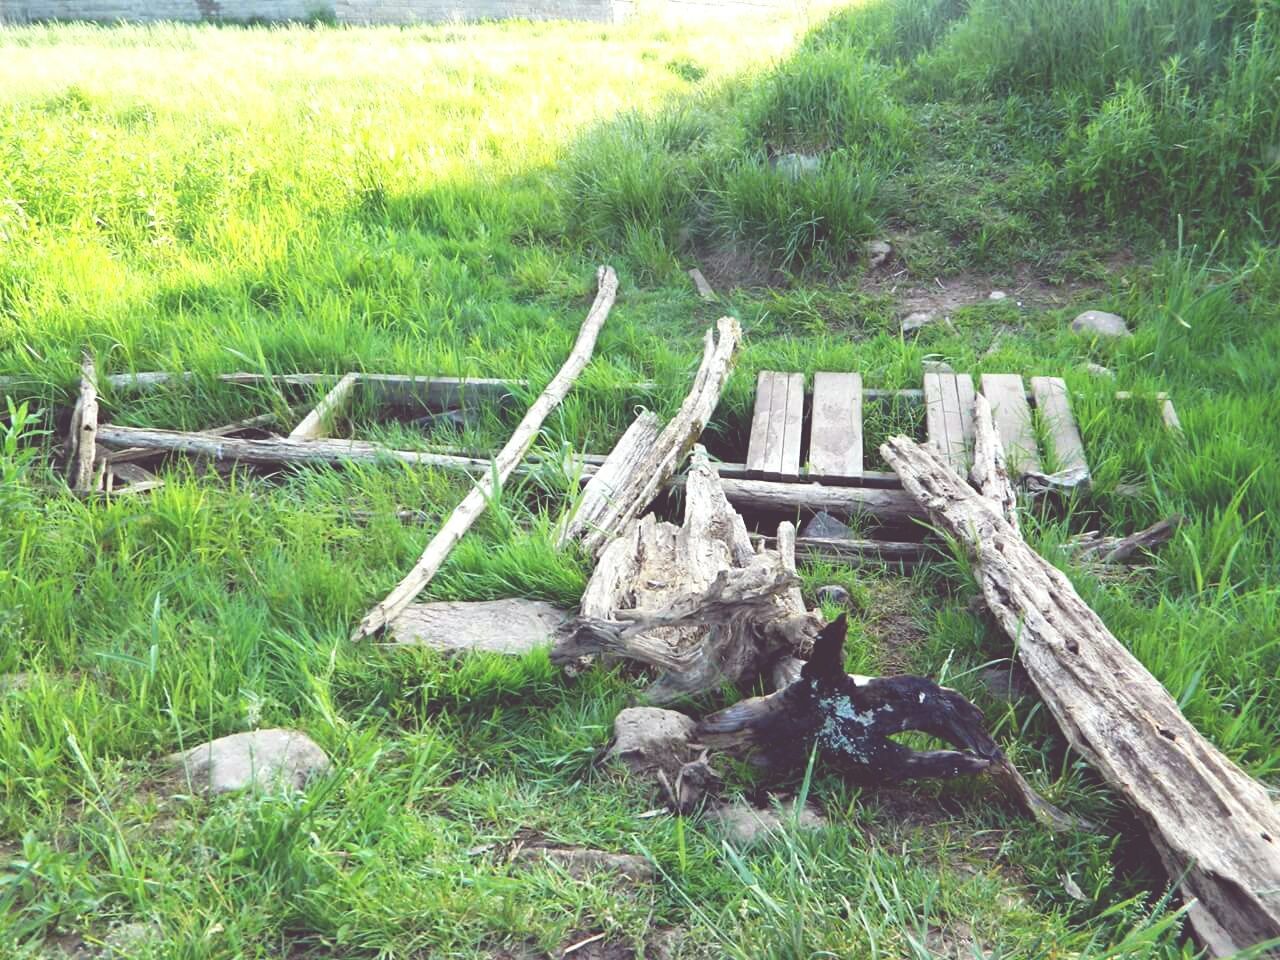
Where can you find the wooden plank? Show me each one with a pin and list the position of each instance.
(701, 285)
(792, 427)
(759, 445)
(85, 427)
(319, 422)
(949, 416)
(965, 394)
(1012, 414)
(835, 438)
(935, 415)
(1054, 405)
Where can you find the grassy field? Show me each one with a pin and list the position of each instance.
(434, 201)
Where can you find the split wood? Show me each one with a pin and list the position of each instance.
(504, 464)
(1217, 830)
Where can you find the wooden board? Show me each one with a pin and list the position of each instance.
(319, 422)
(948, 399)
(514, 627)
(1055, 412)
(1012, 415)
(835, 439)
(773, 451)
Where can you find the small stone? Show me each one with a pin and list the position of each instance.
(795, 166)
(936, 366)
(824, 526)
(744, 825)
(259, 759)
(650, 738)
(878, 251)
(997, 295)
(833, 593)
(1098, 370)
(130, 940)
(921, 318)
(1100, 323)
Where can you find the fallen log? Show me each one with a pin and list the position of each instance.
(1217, 830)
(627, 456)
(504, 464)
(634, 494)
(1096, 548)
(990, 471)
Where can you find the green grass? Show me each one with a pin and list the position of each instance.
(433, 201)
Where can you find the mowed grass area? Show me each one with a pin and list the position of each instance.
(434, 201)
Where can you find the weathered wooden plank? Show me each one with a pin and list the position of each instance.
(949, 416)
(1012, 414)
(965, 394)
(792, 427)
(630, 454)
(1054, 405)
(513, 627)
(835, 437)
(319, 421)
(935, 416)
(85, 429)
(760, 422)
(701, 285)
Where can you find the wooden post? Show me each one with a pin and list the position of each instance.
(84, 427)
(504, 464)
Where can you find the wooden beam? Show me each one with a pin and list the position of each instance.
(835, 436)
(1012, 413)
(1216, 829)
(1054, 404)
(793, 427)
(505, 463)
(760, 444)
(949, 416)
(319, 422)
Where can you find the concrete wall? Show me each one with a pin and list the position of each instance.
(373, 11)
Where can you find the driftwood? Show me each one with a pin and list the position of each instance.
(1217, 830)
(513, 626)
(1095, 548)
(84, 430)
(696, 601)
(628, 456)
(504, 464)
(990, 471)
(666, 453)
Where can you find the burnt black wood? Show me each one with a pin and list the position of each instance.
(852, 720)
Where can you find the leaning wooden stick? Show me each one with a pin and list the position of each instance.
(504, 464)
(85, 426)
(1216, 829)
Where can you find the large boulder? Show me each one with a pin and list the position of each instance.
(259, 759)
(1099, 323)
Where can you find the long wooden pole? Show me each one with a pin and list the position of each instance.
(1216, 829)
(504, 464)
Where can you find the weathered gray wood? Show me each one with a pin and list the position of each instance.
(793, 427)
(1216, 829)
(835, 437)
(965, 396)
(440, 393)
(949, 416)
(884, 506)
(1012, 413)
(700, 284)
(249, 423)
(990, 473)
(513, 627)
(85, 428)
(853, 551)
(319, 421)
(628, 456)
(504, 464)
(763, 443)
(1054, 405)
(676, 439)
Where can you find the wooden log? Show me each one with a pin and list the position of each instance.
(990, 474)
(627, 457)
(1217, 830)
(319, 421)
(831, 550)
(676, 439)
(512, 627)
(85, 424)
(508, 458)
(885, 507)
(1008, 398)
(835, 436)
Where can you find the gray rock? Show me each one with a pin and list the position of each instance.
(649, 738)
(795, 166)
(878, 251)
(824, 526)
(514, 627)
(744, 825)
(1007, 684)
(921, 318)
(130, 940)
(936, 366)
(997, 295)
(1098, 370)
(1101, 324)
(833, 593)
(259, 759)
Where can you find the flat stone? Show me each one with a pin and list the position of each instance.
(997, 295)
(259, 759)
(513, 627)
(921, 318)
(1101, 324)
(878, 251)
(1098, 370)
(833, 593)
(649, 738)
(744, 824)
(936, 366)
(824, 526)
